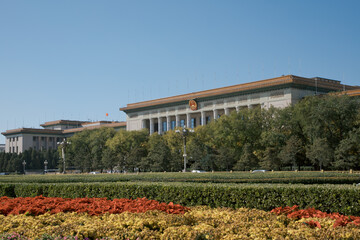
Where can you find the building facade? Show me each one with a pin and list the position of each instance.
(199, 108)
(2, 148)
(21, 139)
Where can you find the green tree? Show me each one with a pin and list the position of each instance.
(98, 139)
(248, 160)
(129, 147)
(159, 154)
(330, 117)
(231, 133)
(275, 132)
(347, 155)
(293, 153)
(319, 153)
(174, 141)
(78, 154)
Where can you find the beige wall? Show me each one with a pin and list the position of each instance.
(24, 141)
(14, 144)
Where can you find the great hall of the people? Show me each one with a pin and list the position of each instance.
(199, 108)
(190, 110)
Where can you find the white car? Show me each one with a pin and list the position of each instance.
(260, 170)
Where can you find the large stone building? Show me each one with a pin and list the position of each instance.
(21, 139)
(191, 109)
(199, 108)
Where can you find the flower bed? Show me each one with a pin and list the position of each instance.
(199, 223)
(93, 206)
(294, 212)
(81, 219)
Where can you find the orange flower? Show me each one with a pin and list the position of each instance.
(313, 223)
(93, 206)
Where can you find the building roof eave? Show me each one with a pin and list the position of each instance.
(320, 83)
(31, 130)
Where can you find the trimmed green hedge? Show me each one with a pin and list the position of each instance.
(217, 177)
(328, 198)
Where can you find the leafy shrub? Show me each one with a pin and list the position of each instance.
(344, 199)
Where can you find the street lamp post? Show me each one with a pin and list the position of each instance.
(63, 145)
(184, 132)
(24, 164)
(45, 164)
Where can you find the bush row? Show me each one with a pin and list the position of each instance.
(327, 198)
(217, 177)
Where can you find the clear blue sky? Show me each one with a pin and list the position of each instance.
(80, 59)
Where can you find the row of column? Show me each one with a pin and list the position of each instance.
(203, 116)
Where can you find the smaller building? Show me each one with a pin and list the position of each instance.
(21, 139)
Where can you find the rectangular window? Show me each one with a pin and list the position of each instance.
(17, 149)
(164, 126)
(207, 119)
(173, 125)
(156, 127)
(17, 138)
(9, 149)
(9, 139)
(193, 123)
(182, 123)
(13, 150)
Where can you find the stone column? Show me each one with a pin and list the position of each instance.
(151, 125)
(168, 123)
(215, 114)
(177, 120)
(227, 111)
(203, 118)
(159, 125)
(188, 120)
(237, 108)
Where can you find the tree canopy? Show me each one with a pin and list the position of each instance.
(319, 132)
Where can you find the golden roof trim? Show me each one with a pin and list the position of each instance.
(319, 82)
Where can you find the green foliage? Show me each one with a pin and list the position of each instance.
(248, 160)
(347, 155)
(320, 153)
(207, 177)
(12, 162)
(293, 153)
(327, 198)
(129, 147)
(174, 141)
(319, 132)
(159, 155)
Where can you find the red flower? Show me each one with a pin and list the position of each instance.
(93, 206)
(293, 212)
(313, 224)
